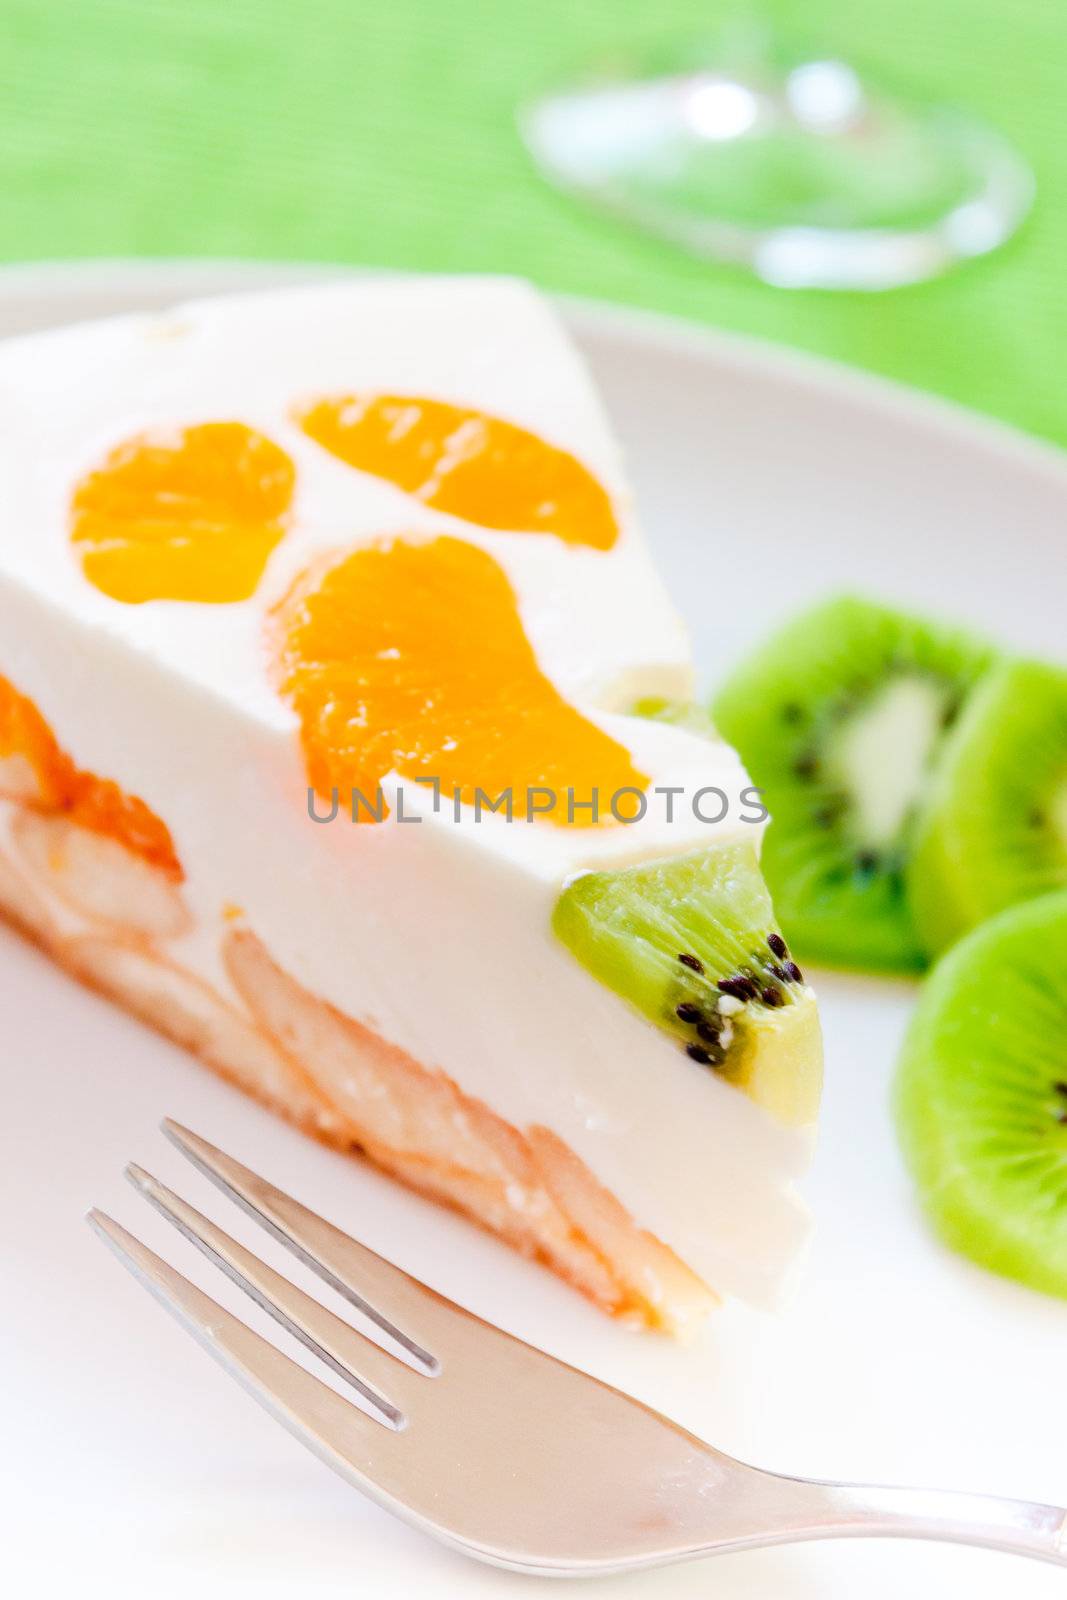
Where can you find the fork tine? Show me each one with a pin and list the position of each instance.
(375, 1373)
(374, 1286)
(345, 1438)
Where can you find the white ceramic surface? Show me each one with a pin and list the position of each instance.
(131, 1464)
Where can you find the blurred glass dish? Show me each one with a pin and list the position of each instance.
(794, 165)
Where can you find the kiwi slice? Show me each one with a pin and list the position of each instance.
(692, 943)
(839, 719)
(981, 1094)
(993, 829)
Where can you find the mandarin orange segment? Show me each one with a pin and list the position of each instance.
(465, 463)
(188, 515)
(101, 806)
(59, 786)
(36, 767)
(411, 658)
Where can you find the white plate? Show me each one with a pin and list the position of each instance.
(136, 1464)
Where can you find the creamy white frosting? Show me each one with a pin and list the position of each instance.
(437, 933)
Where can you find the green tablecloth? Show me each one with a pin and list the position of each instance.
(382, 131)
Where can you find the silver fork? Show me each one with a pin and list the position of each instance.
(492, 1446)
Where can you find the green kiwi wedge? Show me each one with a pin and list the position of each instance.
(840, 719)
(993, 828)
(691, 942)
(981, 1095)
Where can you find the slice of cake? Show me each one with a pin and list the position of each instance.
(324, 616)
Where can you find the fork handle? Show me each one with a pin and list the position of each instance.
(840, 1510)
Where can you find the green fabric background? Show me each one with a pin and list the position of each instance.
(384, 133)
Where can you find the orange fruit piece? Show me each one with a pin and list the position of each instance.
(470, 465)
(186, 515)
(411, 658)
(94, 803)
(47, 772)
(100, 805)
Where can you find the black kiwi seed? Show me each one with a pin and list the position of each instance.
(798, 977)
(867, 861)
(781, 973)
(792, 713)
(1060, 1087)
(694, 963)
(696, 1052)
(741, 988)
(831, 809)
(777, 944)
(806, 765)
(1061, 1116)
(707, 1031)
(687, 1012)
(771, 996)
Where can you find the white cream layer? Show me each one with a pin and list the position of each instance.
(435, 933)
